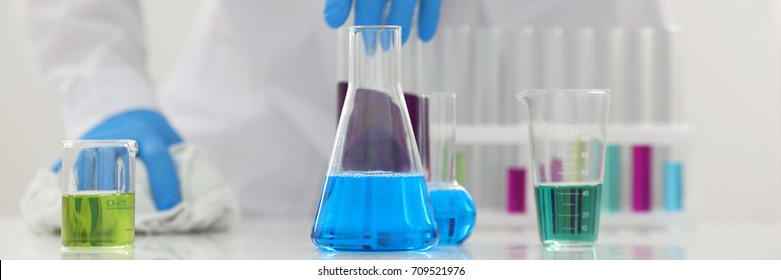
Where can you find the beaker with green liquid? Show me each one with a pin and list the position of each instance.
(98, 200)
(567, 131)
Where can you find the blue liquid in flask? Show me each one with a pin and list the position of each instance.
(455, 214)
(375, 211)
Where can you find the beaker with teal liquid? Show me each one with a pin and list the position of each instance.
(567, 133)
(374, 197)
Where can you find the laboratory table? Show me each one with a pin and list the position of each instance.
(280, 239)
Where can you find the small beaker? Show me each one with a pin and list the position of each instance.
(567, 131)
(98, 199)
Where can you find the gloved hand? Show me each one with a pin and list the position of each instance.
(370, 12)
(154, 136)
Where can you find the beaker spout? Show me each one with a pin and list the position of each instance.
(522, 96)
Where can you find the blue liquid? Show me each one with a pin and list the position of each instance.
(673, 181)
(375, 211)
(455, 214)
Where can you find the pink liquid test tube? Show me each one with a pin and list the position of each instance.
(516, 190)
(641, 178)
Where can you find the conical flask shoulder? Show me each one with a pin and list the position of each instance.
(376, 136)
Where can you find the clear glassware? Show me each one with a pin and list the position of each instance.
(454, 209)
(567, 129)
(98, 200)
(374, 197)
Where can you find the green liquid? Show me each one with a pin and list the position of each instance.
(98, 219)
(568, 215)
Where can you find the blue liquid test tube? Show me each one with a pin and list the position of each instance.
(673, 186)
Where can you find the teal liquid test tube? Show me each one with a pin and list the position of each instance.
(612, 187)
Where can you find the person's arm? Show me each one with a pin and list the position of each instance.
(91, 54)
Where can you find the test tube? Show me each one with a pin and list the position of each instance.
(409, 79)
(427, 78)
(642, 154)
(430, 66)
(520, 72)
(486, 104)
(584, 60)
(521, 75)
(455, 53)
(553, 75)
(615, 56)
(457, 71)
(674, 167)
(673, 186)
(659, 111)
(410, 65)
(582, 73)
(342, 70)
(516, 190)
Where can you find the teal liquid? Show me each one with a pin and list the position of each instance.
(612, 186)
(568, 215)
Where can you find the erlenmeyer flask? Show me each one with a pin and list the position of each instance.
(454, 209)
(374, 197)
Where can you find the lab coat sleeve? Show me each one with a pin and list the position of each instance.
(91, 54)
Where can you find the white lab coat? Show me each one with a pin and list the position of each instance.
(256, 86)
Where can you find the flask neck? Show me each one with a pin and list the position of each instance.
(376, 52)
(440, 126)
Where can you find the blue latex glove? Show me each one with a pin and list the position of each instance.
(154, 136)
(370, 12)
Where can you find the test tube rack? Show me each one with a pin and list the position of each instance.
(674, 135)
(486, 66)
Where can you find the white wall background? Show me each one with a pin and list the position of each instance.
(732, 76)
(732, 73)
(30, 126)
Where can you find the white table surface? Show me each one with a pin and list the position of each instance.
(266, 239)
